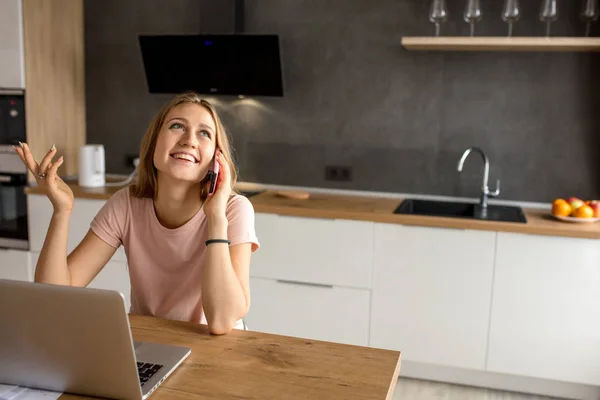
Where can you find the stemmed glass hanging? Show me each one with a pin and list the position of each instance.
(548, 14)
(589, 13)
(438, 14)
(511, 13)
(472, 14)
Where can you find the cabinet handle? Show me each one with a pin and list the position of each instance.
(323, 285)
(17, 92)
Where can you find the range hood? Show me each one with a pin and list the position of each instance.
(219, 64)
(227, 64)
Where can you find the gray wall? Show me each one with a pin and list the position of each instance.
(354, 97)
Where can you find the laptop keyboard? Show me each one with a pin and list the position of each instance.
(146, 371)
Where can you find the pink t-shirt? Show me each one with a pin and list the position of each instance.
(165, 265)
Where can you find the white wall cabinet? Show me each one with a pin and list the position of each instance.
(14, 264)
(432, 289)
(546, 308)
(334, 314)
(12, 71)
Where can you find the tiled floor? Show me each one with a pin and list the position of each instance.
(411, 389)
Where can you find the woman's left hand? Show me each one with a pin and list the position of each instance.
(216, 205)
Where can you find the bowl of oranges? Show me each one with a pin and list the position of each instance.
(573, 209)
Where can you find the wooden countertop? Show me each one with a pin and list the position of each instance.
(100, 193)
(378, 209)
(252, 365)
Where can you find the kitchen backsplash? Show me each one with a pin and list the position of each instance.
(353, 97)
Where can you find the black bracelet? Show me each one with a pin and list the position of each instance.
(209, 241)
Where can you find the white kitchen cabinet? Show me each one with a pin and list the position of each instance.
(84, 210)
(311, 278)
(14, 264)
(546, 308)
(314, 250)
(12, 71)
(114, 276)
(328, 313)
(432, 289)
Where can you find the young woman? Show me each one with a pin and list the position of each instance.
(188, 251)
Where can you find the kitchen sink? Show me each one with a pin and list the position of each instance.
(461, 210)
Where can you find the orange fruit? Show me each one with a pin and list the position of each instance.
(584, 211)
(557, 201)
(561, 207)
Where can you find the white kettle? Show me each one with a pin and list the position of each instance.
(91, 165)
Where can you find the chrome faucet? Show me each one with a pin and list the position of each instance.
(485, 190)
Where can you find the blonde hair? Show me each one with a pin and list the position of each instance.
(146, 183)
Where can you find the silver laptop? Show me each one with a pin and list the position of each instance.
(77, 340)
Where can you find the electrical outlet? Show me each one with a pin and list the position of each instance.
(341, 173)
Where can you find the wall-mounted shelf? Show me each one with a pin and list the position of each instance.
(497, 43)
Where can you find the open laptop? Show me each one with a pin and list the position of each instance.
(77, 340)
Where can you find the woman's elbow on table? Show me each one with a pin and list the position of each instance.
(220, 326)
(223, 324)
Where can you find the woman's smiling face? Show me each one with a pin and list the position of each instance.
(186, 143)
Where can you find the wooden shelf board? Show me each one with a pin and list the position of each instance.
(497, 43)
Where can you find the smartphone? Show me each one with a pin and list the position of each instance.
(213, 174)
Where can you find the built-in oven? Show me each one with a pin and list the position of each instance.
(14, 233)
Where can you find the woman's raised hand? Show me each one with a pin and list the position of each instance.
(45, 173)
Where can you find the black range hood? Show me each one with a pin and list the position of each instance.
(230, 64)
(220, 64)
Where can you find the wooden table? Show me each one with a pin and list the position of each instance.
(252, 365)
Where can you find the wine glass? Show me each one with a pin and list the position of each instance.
(589, 13)
(511, 13)
(548, 14)
(472, 14)
(438, 14)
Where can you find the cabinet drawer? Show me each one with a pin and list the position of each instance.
(309, 311)
(314, 250)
